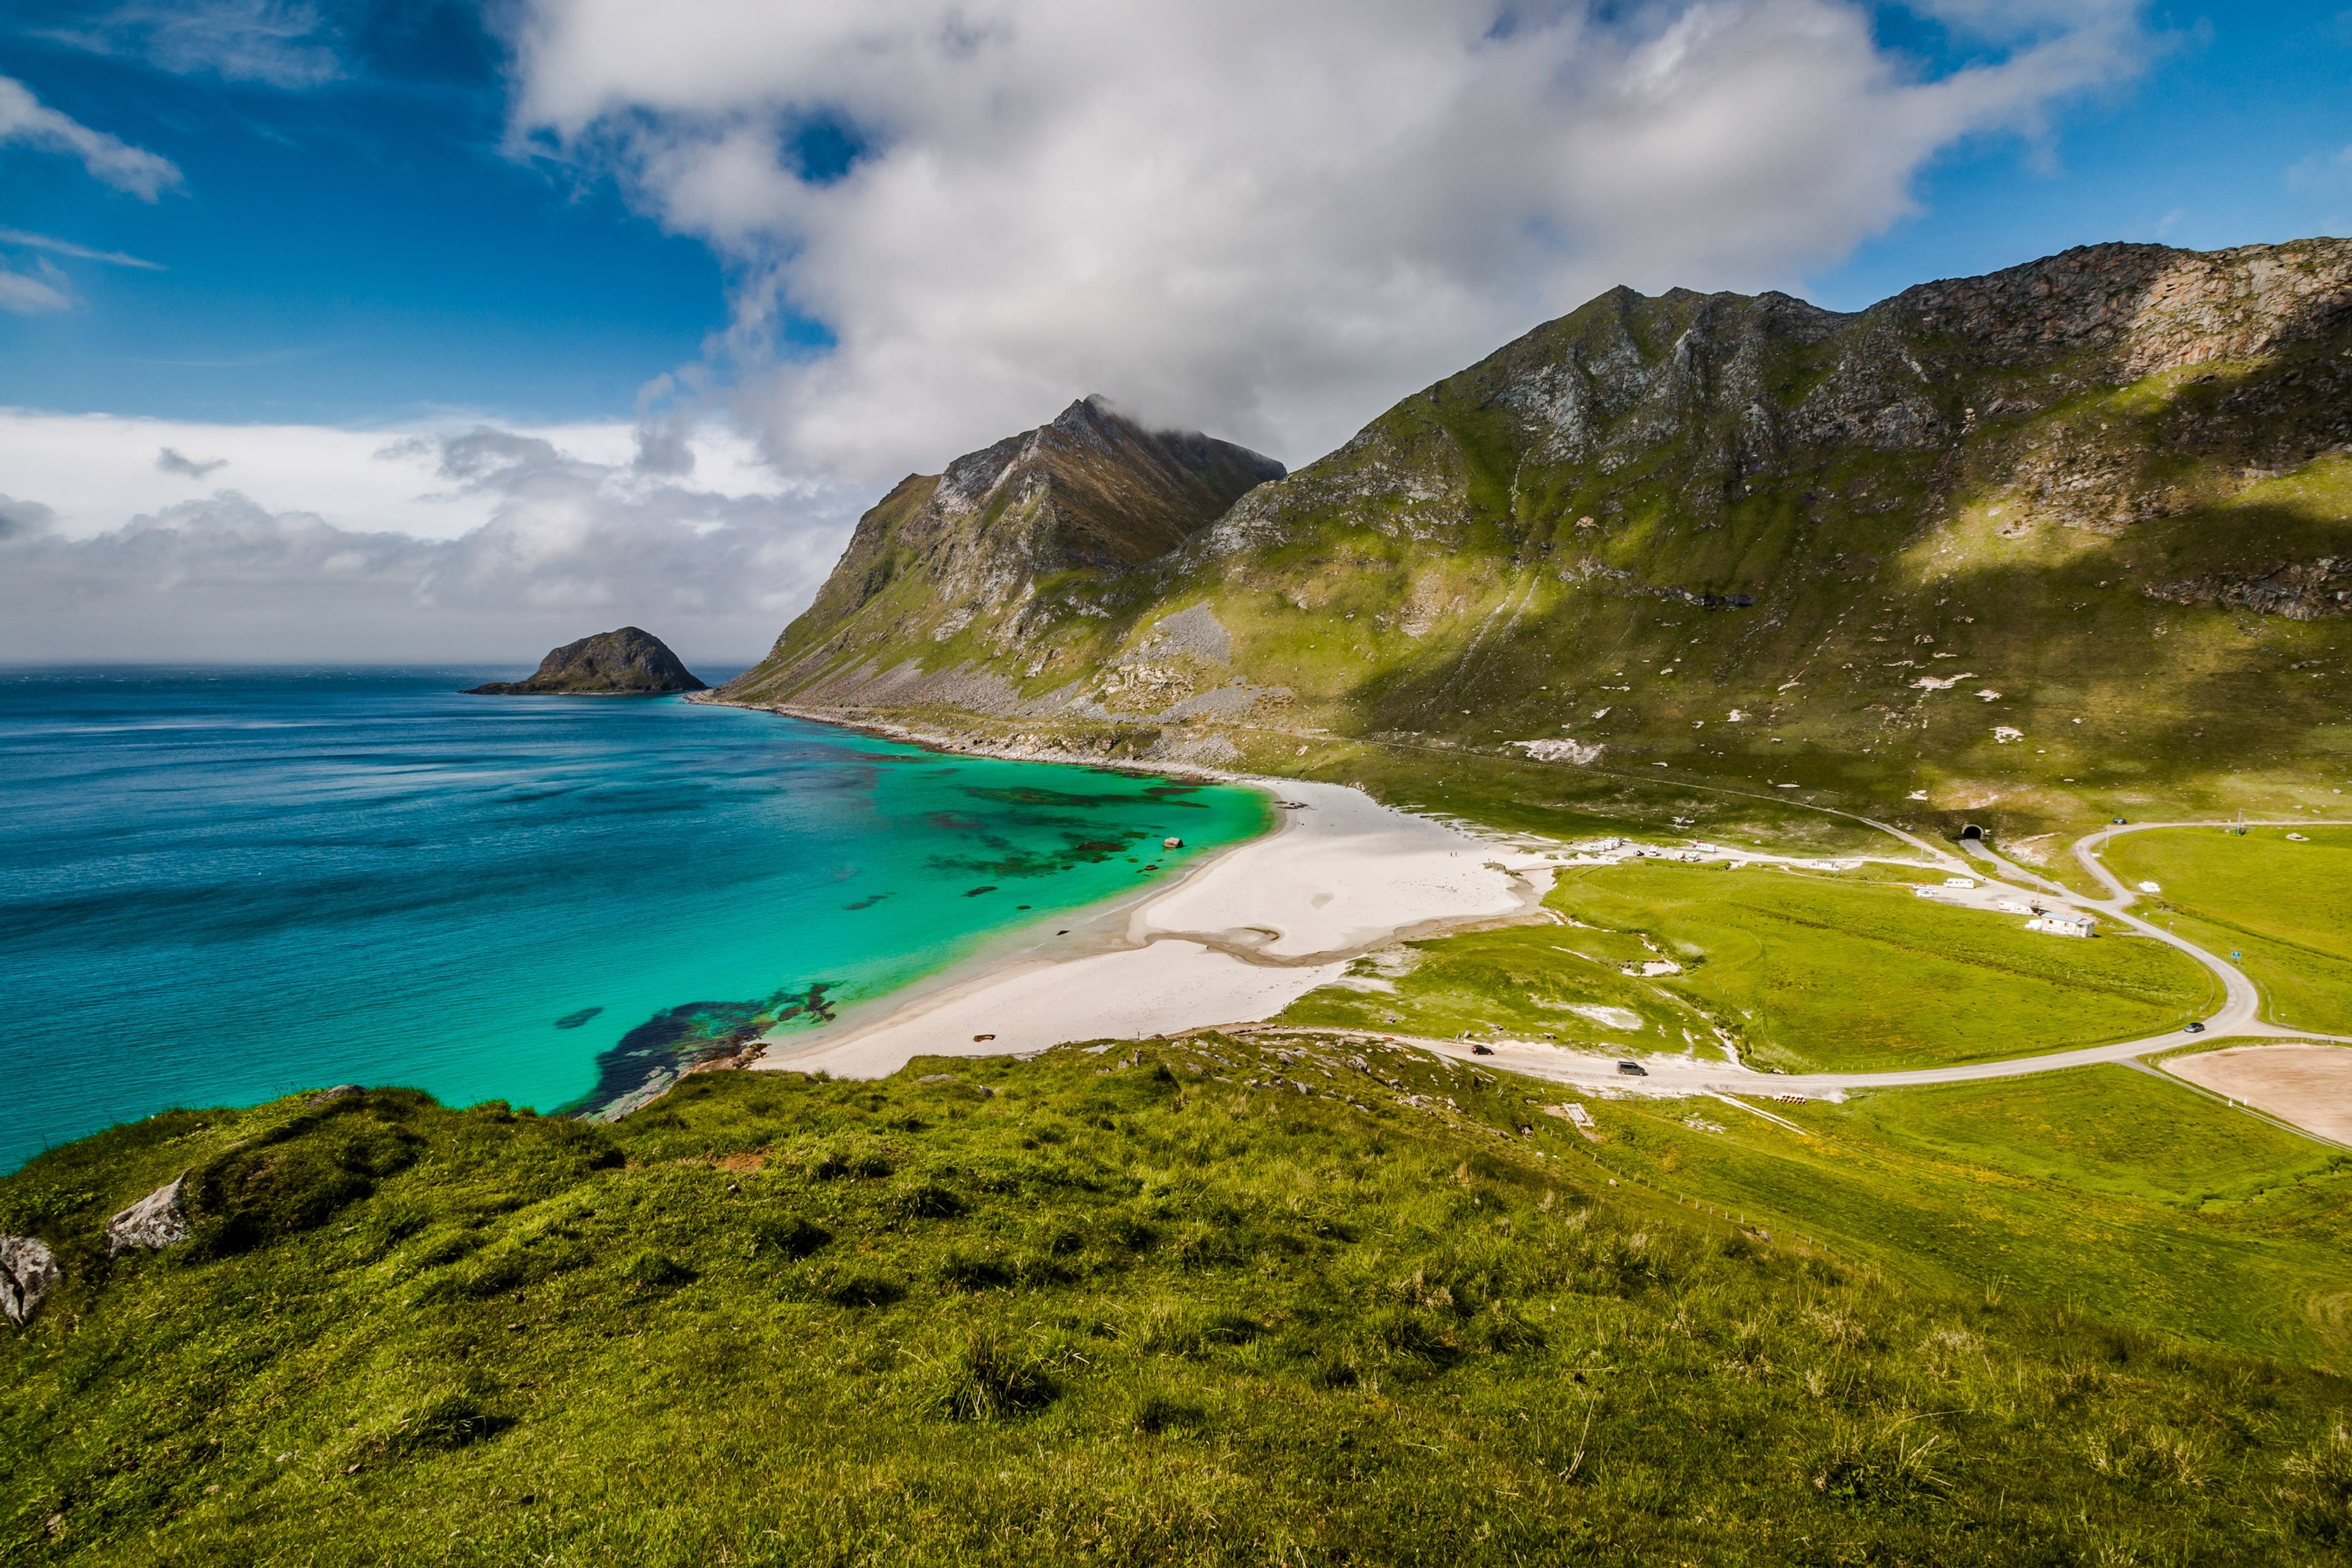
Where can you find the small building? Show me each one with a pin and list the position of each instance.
(2063, 923)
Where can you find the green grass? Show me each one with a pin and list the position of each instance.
(1524, 982)
(1803, 971)
(2129, 1196)
(2287, 907)
(1203, 1301)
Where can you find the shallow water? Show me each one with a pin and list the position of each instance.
(219, 886)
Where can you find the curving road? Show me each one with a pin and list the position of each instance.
(2240, 1015)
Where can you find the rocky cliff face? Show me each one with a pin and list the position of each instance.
(2101, 502)
(623, 663)
(967, 553)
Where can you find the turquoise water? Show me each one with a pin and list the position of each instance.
(221, 885)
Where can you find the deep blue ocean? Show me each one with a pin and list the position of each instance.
(219, 885)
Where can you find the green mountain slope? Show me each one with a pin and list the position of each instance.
(2042, 544)
(1211, 1301)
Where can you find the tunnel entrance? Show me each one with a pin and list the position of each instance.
(1972, 833)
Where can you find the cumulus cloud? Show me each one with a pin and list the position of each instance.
(23, 118)
(276, 43)
(569, 545)
(1268, 221)
(171, 460)
(21, 519)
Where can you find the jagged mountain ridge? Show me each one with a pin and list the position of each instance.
(2111, 487)
(1087, 497)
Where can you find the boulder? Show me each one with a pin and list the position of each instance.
(153, 1223)
(28, 1272)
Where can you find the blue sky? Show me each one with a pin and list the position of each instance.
(2236, 135)
(359, 250)
(512, 320)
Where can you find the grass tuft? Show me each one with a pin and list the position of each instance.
(990, 1377)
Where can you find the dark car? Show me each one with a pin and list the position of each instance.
(1478, 1050)
(2195, 1028)
(1633, 1069)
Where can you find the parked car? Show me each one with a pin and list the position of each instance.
(1633, 1069)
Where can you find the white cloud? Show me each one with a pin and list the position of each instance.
(31, 241)
(542, 537)
(2321, 172)
(23, 118)
(33, 293)
(1263, 220)
(278, 43)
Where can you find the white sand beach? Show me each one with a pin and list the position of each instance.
(1238, 939)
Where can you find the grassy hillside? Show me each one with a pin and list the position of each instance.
(1798, 971)
(2129, 1197)
(2286, 906)
(1200, 1301)
(2034, 549)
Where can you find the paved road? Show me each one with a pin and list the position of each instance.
(2239, 1017)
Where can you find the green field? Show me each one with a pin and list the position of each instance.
(1206, 1302)
(2131, 1197)
(2287, 907)
(1805, 972)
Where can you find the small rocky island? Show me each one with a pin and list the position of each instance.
(623, 663)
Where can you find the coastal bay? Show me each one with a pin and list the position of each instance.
(221, 885)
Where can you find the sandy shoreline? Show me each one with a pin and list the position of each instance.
(1238, 938)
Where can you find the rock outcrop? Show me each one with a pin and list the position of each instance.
(28, 1272)
(2300, 591)
(623, 663)
(155, 1222)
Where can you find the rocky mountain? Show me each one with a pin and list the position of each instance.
(623, 663)
(1010, 539)
(2054, 540)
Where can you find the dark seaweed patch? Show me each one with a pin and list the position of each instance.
(975, 893)
(1075, 851)
(672, 1041)
(573, 1020)
(1031, 794)
(867, 902)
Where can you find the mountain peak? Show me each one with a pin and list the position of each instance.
(1087, 497)
(1094, 409)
